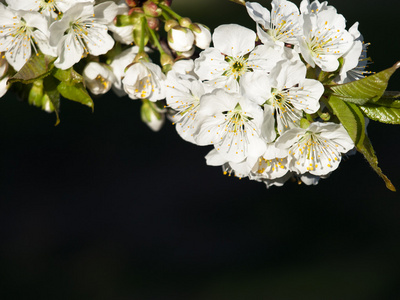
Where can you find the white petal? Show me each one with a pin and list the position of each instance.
(234, 40)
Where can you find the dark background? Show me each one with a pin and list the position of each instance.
(100, 207)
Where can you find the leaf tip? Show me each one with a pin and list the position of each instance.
(396, 65)
(391, 187)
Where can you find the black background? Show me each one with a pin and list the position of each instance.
(100, 207)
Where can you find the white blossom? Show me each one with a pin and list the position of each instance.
(324, 39)
(22, 31)
(202, 39)
(86, 32)
(232, 124)
(279, 26)
(317, 149)
(180, 39)
(98, 78)
(144, 80)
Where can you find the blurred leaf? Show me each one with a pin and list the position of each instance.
(37, 67)
(369, 89)
(77, 93)
(52, 97)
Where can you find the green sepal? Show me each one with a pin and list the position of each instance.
(328, 77)
(36, 93)
(148, 110)
(369, 89)
(76, 92)
(37, 67)
(352, 119)
(123, 20)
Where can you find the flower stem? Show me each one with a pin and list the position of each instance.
(170, 11)
(142, 37)
(156, 41)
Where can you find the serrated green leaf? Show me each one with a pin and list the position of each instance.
(369, 89)
(37, 67)
(381, 114)
(369, 153)
(351, 118)
(77, 93)
(385, 110)
(70, 76)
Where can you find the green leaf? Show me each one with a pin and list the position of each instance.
(369, 153)
(52, 95)
(77, 93)
(70, 76)
(352, 119)
(385, 110)
(368, 89)
(37, 67)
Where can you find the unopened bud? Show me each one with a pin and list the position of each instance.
(186, 54)
(151, 9)
(153, 23)
(166, 2)
(185, 22)
(202, 38)
(170, 24)
(166, 59)
(152, 115)
(180, 39)
(136, 13)
(141, 56)
(132, 3)
(304, 123)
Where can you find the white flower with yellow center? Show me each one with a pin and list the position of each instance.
(183, 93)
(285, 93)
(20, 32)
(233, 55)
(232, 124)
(144, 80)
(279, 26)
(317, 149)
(49, 8)
(324, 39)
(82, 31)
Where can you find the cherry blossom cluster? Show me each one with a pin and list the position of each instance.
(250, 97)
(259, 98)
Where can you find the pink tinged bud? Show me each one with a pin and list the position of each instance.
(153, 23)
(151, 9)
(180, 39)
(202, 38)
(136, 12)
(132, 3)
(166, 2)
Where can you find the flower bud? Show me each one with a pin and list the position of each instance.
(152, 115)
(153, 23)
(98, 78)
(166, 59)
(180, 39)
(185, 22)
(170, 24)
(151, 9)
(166, 2)
(202, 38)
(141, 56)
(186, 54)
